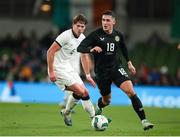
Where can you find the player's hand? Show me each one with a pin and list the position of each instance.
(52, 76)
(90, 80)
(131, 68)
(96, 49)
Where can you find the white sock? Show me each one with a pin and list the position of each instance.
(71, 103)
(66, 97)
(88, 107)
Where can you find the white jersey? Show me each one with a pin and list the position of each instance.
(66, 60)
(68, 52)
(75, 62)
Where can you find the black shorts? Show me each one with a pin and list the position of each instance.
(105, 78)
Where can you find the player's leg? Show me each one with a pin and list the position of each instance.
(127, 87)
(67, 93)
(66, 112)
(80, 92)
(72, 102)
(122, 80)
(86, 102)
(103, 101)
(88, 107)
(64, 82)
(105, 91)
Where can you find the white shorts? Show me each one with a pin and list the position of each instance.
(64, 79)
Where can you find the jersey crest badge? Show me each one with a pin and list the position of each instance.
(117, 38)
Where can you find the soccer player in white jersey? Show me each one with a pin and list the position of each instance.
(61, 71)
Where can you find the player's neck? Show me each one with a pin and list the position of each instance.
(109, 31)
(75, 35)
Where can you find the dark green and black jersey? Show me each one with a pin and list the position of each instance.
(112, 45)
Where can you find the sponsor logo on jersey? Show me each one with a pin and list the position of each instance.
(117, 38)
(102, 38)
(72, 51)
(108, 53)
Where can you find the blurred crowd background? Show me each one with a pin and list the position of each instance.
(151, 29)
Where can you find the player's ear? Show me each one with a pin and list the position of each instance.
(114, 21)
(72, 25)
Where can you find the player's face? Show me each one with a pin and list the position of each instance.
(107, 23)
(78, 28)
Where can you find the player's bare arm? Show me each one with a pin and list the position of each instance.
(50, 59)
(131, 68)
(85, 60)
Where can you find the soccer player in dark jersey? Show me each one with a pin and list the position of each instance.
(106, 44)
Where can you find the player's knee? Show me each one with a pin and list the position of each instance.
(85, 93)
(85, 97)
(81, 91)
(107, 101)
(130, 93)
(76, 96)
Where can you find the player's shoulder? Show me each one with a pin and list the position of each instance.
(118, 32)
(99, 31)
(96, 31)
(64, 37)
(66, 32)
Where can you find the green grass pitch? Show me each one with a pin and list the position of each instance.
(44, 120)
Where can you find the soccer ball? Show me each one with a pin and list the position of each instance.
(99, 123)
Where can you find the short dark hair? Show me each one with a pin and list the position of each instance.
(80, 18)
(109, 12)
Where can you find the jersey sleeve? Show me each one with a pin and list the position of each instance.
(124, 48)
(86, 44)
(62, 39)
